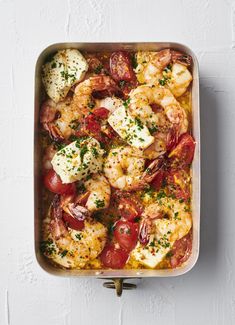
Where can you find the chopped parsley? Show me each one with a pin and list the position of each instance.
(99, 203)
(164, 242)
(80, 187)
(83, 151)
(139, 124)
(162, 81)
(161, 195)
(47, 247)
(122, 83)
(94, 152)
(168, 68)
(126, 103)
(59, 145)
(64, 253)
(134, 62)
(91, 105)
(66, 76)
(78, 236)
(153, 129)
(111, 228)
(148, 191)
(169, 254)
(98, 69)
(74, 124)
(53, 65)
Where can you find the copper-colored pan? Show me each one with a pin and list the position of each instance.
(117, 276)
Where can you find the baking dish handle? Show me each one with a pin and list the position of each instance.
(119, 285)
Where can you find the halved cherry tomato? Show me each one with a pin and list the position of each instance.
(120, 66)
(178, 181)
(184, 150)
(101, 112)
(112, 257)
(158, 180)
(92, 124)
(73, 223)
(181, 250)
(128, 209)
(54, 184)
(126, 234)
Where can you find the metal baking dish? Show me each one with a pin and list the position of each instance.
(117, 276)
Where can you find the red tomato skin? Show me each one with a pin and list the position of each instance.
(114, 258)
(120, 66)
(184, 150)
(158, 180)
(101, 112)
(181, 250)
(126, 234)
(91, 124)
(177, 183)
(54, 184)
(128, 209)
(72, 222)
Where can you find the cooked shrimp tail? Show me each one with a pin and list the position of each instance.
(70, 206)
(58, 228)
(181, 58)
(48, 115)
(151, 171)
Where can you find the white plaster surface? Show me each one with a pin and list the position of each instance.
(206, 295)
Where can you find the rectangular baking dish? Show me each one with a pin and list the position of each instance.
(119, 274)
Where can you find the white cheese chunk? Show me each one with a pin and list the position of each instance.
(77, 160)
(66, 68)
(133, 131)
(151, 254)
(110, 103)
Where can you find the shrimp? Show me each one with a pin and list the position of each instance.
(96, 197)
(59, 119)
(161, 226)
(151, 64)
(166, 67)
(71, 204)
(99, 193)
(67, 247)
(95, 87)
(144, 96)
(170, 217)
(170, 119)
(125, 169)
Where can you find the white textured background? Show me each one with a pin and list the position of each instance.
(206, 295)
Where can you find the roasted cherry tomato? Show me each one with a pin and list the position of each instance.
(120, 66)
(158, 180)
(101, 112)
(92, 124)
(54, 184)
(73, 223)
(178, 183)
(126, 234)
(112, 257)
(181, 250)
(129, 209)
(184, 150)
